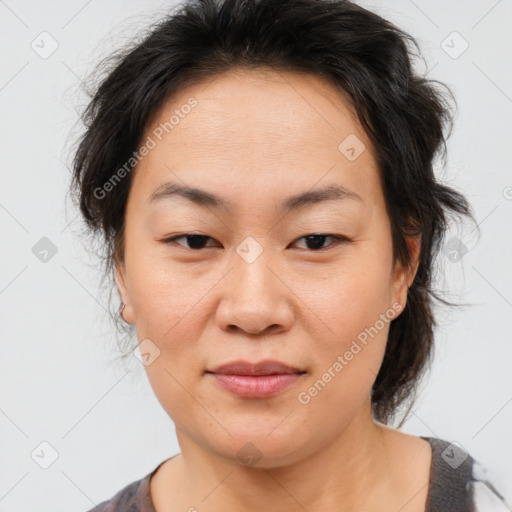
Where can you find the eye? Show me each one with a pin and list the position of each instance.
(315, 242)
(194, 241)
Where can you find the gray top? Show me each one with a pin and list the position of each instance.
(457, 484)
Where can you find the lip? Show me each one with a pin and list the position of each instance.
(266, 367)
(255, 380)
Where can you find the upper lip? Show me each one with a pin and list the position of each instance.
(267, 367)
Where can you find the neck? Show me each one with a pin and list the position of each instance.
(344, 474)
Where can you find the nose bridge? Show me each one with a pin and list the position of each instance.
(251, 273)
(254, 298)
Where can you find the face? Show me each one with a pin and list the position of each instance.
(247, 270)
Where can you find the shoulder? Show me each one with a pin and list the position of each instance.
(458, 482)
(134, 497)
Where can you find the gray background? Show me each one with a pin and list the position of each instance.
(56, 382)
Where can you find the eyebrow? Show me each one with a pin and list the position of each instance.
(295, 202)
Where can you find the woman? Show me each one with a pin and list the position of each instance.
(219, 153)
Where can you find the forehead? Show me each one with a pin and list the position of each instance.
(255, 130)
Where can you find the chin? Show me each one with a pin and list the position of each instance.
(260, 450)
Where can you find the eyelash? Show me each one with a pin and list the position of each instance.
(337, 239)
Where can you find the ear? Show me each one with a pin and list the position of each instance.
(120, 278)
(404, 276)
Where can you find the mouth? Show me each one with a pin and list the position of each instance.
(255, 380)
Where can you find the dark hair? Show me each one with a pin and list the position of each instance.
(366, 57)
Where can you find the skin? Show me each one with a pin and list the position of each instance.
(255, 138)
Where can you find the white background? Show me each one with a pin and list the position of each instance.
(56, 382)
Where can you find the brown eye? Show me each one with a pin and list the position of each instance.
(315, 242)
(194, 241)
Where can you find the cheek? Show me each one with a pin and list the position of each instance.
(174, 331)
(350, 297)
(165, 299)
(353, 313)
(349, 358)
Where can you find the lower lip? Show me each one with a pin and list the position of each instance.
(262, 386)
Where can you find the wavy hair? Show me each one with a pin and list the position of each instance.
(367, 58)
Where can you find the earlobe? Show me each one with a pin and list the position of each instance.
(404, 276)
(120, 282)
(414, 245)
(125, 308)
(400, 286)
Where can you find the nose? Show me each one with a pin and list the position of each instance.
(255, 298)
